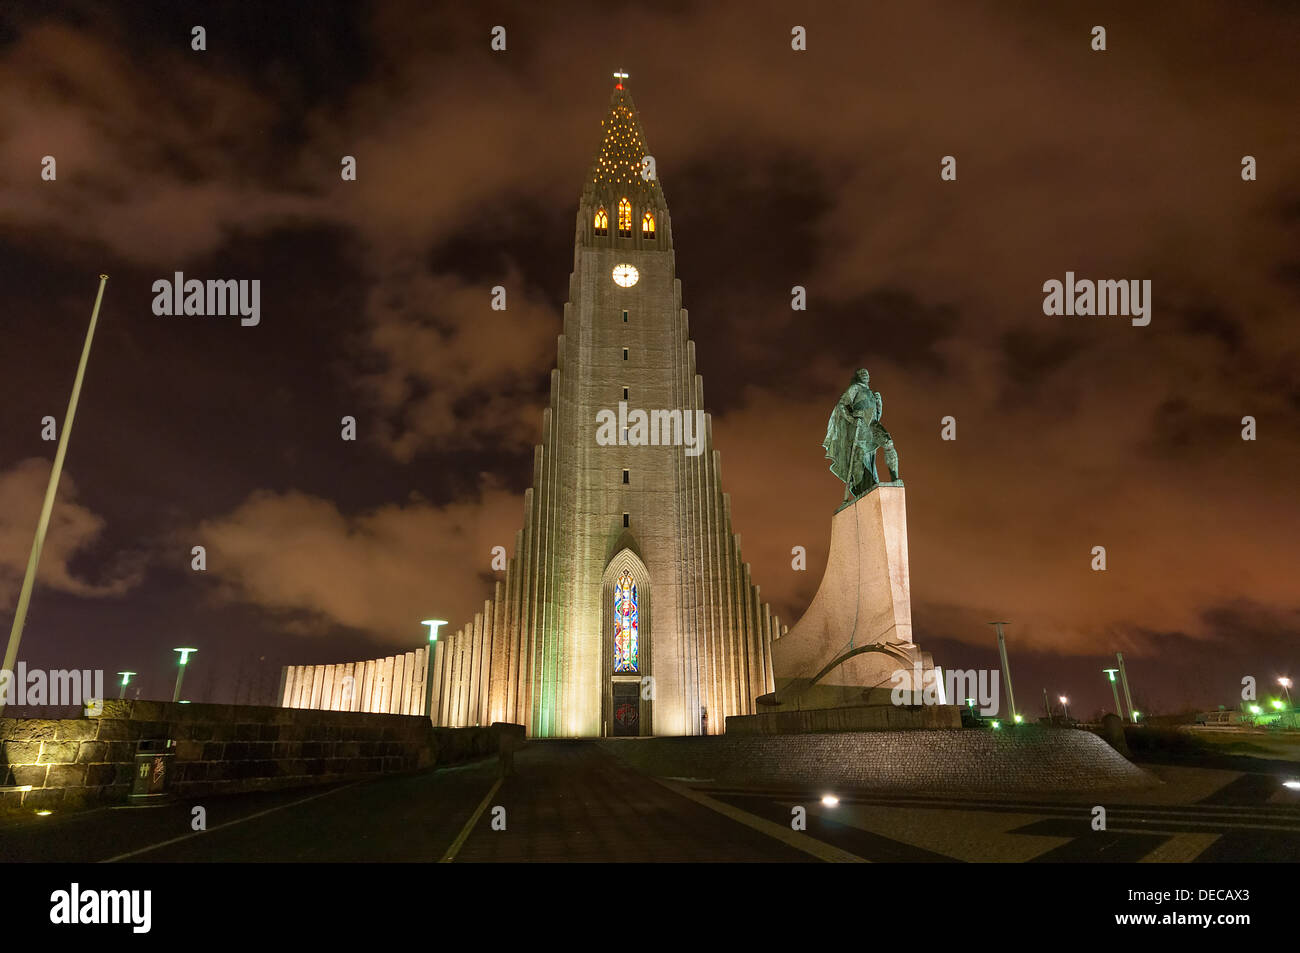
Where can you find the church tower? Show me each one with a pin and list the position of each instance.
(626, 608)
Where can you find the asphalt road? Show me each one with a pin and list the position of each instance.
(573, 801)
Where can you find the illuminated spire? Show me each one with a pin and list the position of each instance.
(617, 170)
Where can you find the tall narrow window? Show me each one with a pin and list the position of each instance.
(627, 520)
(624, 218)
(627, 476)
(648, 225)
(601, 222)
(625, 317)
(625, 393)
(625, 354)
(627, 624)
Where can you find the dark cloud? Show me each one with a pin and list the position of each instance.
(818, 169)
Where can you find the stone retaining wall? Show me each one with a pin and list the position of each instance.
(857, 718)
(219, 749)
(968, 761)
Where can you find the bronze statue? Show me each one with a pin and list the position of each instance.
(854, 433)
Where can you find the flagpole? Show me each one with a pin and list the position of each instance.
(29, 580)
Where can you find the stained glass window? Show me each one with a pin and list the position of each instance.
(648, 225)
(602, 221)
(627, 625)
(624, 218)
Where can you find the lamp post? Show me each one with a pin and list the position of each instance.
(1065, 706)
(43, 522)
(1123, 677)
(1286, 687)
(434, 625)
(180, 671)
(1006, 669)
(1110, 673)
(126, 678)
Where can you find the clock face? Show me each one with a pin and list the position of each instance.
(625, 275)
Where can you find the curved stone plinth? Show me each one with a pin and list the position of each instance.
(857, 632)
(967, 760)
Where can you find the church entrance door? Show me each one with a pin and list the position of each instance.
(627, 709)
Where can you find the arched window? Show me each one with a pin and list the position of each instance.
(626, 625)
(624, 218)
(648, 226)
(602, 221)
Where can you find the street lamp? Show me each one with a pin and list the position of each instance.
(434, 625)
(1065, 706)
(1110, 673)
(180, 671)
(126, 678)
(1286, 687)
(1006, 668)
(1123, 677)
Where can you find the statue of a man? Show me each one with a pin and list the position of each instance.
(854, 433)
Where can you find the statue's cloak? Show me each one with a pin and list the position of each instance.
(843, 433)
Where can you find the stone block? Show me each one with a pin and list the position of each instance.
(236, 751)
(77, 729)
(114, 729)
(100, 774)
(66, 776)
(117, 708)
(58, 752)
(44, 799)
(189, 750)
(145, 711)
(89, 752)
(120, 751)
(76, 799)
(22, 752)
(32, 729)
(33, 774)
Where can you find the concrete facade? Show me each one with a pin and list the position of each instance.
(394, 685)
(541, 651)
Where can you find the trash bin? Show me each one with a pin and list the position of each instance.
(151, 780)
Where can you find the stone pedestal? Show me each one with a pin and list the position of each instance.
(857, 633)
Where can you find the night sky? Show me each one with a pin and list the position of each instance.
(781, 168)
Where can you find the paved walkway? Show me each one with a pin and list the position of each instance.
(577, 801)
(571, 800)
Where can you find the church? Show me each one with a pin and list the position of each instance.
(627, 608)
